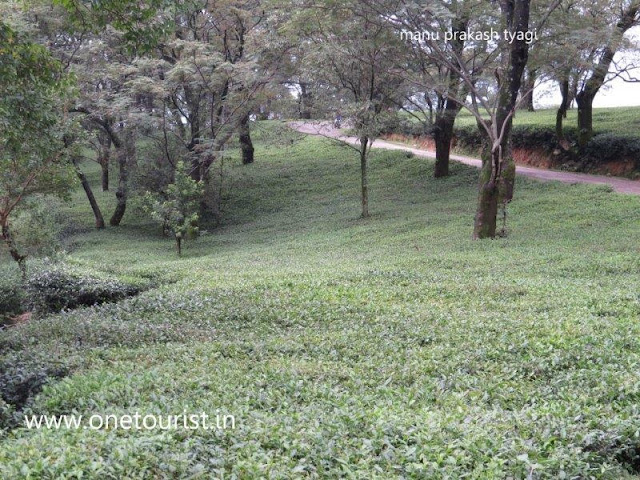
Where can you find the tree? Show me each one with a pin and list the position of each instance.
(610, 21)
(360, 67)
(99, 61)
(33, 92)
(446, 86)
(176, 209)
(491, 70)
(497, 175)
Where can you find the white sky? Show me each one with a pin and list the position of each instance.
(616, 93)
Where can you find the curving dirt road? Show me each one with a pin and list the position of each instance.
(620, 185)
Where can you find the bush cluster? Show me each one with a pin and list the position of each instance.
(602, 148)
(609, 147)
(11, 296)
(21, 379)
(58, 287)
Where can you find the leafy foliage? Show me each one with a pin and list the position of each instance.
(177, 209)
(57, 287)
(21, 379)
(33, 132)
(346, 347)
(12, 295)
(31, 84)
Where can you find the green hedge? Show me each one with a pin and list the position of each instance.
(602, 149)
(12, 295)
(609, 147)
(522, 136)
(22, 377)
(59, 287)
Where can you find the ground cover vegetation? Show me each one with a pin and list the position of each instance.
(171, 245)
(375, 348)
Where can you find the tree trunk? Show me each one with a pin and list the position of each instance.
(446, 115)
(364, 144)
(245, 141)
(92, 199)
(443, 133)
(584, 99)
(497, 176)
(487, 212)
(125, 154)
(20, 259)
(561, 114)
(305, 102)
(527, 91)
(105, 176)
(105, 155)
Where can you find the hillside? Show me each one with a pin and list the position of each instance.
(392, 347)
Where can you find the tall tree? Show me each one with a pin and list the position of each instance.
(497, 175)
(491, 70)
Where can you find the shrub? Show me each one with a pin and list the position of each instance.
(58, 287)
(609, 147)
(12, 295)
(177, 209)
(21, 379)
(6, 415)
(39, 225)
(468, 138)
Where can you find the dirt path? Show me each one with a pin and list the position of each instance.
(620, 185)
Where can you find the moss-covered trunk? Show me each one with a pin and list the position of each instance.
(497, 176)
(497, 181)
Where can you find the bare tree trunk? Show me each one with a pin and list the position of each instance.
(92, 199)
(245, 141)
(125, 154)
(364, 144)
(528, 85)
(105, 175)
(446, 115)
(20, 259)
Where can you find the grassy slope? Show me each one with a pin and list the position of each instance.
(392, 347)
(621, 120)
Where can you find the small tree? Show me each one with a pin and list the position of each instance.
(32, 129)
(176, 209)
(359, 68)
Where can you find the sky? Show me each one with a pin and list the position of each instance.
(616, 93)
